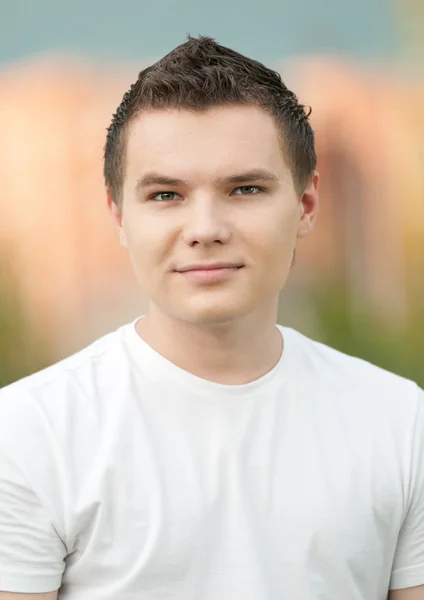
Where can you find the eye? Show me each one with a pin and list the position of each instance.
(247, 190)
(165, 196)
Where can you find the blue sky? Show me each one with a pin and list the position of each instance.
(269, 30)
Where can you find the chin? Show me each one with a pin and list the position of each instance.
(212, 313)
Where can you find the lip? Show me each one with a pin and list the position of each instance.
(209, 273)
(211, 267)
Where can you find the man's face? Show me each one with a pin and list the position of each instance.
(205, 189)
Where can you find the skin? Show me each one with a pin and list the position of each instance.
(208, 329)
(414, 593)
(11, 596)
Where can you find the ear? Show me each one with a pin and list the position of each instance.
(116, 215)
(309, 206)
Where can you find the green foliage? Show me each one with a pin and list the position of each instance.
(359, 334)
(20, 353)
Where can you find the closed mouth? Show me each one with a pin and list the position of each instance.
(209, 267)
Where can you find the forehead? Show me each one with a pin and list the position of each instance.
(188, 143)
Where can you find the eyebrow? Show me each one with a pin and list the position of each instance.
(154, 178)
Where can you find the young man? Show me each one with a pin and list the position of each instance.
(203, 452)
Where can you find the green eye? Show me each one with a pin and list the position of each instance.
(165, 196)
(247, 190)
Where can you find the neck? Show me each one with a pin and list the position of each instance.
(234, 352)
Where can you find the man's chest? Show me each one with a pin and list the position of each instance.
(272, 503)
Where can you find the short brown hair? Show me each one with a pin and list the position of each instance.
(201, 74)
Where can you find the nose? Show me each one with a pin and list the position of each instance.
(206, 224)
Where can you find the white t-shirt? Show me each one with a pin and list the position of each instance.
(123, 477)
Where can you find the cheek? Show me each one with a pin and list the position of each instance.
(140, 233)
(140, 246)
(138, 242)
(273, 239)
(149, 246)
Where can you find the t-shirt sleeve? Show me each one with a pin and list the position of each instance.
(32, 552)
(408, 564)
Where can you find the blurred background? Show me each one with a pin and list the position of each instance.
(358, 284)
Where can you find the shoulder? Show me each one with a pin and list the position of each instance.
(52, 423)
(78, 378)
(350, 378)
